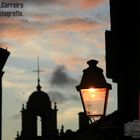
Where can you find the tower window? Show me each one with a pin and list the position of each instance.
(39, 128)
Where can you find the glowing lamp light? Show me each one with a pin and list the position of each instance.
(94, 91)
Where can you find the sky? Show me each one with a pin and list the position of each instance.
(65, 34)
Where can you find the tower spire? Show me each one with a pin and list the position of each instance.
(38, 73)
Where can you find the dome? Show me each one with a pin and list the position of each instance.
(39, 102)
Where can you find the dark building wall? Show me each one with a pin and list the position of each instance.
(83, 120)
(29, 124)
(54, 120)
(123, 55)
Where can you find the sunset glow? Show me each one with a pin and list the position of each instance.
(65, 35)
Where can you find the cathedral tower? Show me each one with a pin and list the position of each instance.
(38, 106)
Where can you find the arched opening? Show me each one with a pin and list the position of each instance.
(39, 127)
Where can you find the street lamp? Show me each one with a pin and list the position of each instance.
(3, 57)
(94, 91)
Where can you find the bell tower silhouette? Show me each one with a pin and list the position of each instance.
(38, 105)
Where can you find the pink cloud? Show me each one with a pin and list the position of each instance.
(90, 3)
(83, 4)
(15, 29)
(7, 21)
(74, 25)
(18, 33)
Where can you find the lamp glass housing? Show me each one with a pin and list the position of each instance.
(94, 101)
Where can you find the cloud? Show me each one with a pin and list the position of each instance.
(83, 4)
(17, 32)
(10, 21)
(61, 78)
(90, 3)
(75, 97)
(57, 96)
(76, 24)
(46, 2)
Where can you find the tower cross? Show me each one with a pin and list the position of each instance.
(38, 73)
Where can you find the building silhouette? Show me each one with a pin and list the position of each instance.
(38, 110)
(38, 106)
(83, 120)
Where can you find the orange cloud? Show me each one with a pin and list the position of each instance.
(17, 33)
(16, 29)
(76, 24)
(9, 21)
(90, 3)
(73, 59)
(83, 4)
